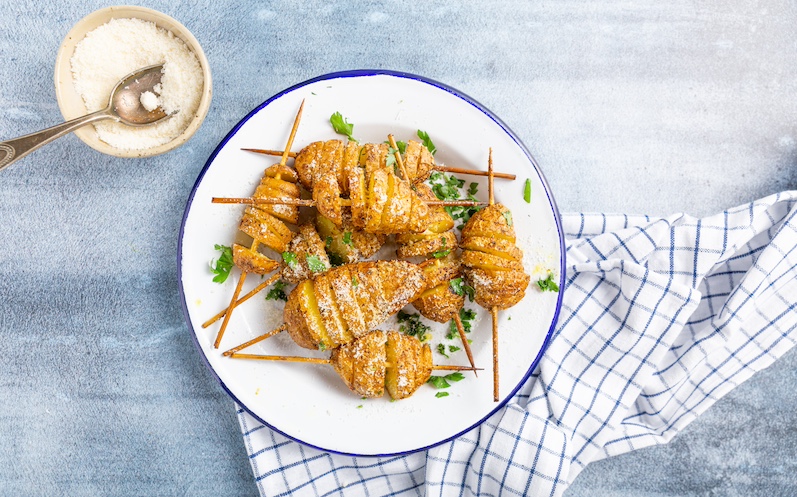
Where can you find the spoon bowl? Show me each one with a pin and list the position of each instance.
(124, 106)
(126, 97)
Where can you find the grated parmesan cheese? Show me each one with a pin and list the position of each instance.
(112, 51)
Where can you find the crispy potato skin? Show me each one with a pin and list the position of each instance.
(410, 365)
(305, 243)
(349, 300)
(251, 261)
(361, 364)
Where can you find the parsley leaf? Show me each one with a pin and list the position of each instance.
(222, 267)
(459, 287)
(347, 238)
(328, 241)
(443, 381)
(290, 259)
(453, 348)
(548, 284)
(322, 346)
(443, 252)
(527, 191)
(508, 216)
(342, 126)
(441, 349)
(440, 395)
(473, 189)
(447, 187)
(354, 281)
(427, 142)
(411, 325)
(277, 292)
(315, 264)
(466, 316)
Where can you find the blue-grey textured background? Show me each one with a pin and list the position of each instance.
(645, 107)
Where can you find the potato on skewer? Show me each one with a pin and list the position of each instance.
(418, 160)
(375, 362)
(265, 224)
(493, 263)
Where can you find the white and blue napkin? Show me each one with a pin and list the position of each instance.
(661, 317)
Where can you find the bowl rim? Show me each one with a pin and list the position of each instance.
(64, 82)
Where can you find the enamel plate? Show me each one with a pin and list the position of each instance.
(308, 402)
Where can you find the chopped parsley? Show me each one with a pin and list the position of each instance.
(411, 325)
(508, 216)
(548, 284)
(443, 252)
(277, 292)
(440, 395)
(322, 346)
(290, 259)
(441, 349)
(447, 187)
(527, 191)
(328, 241)
(315, 264)
(360, 406)
(459, 287)
(443, 381)
(473, 189)
(342, 126)
(427, 142)
(347, 238)
(354, 281)
(466, 316)
(453, 348)
(222, 267)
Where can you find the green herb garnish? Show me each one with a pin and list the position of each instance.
(459, 287)
(290, 259)
(473, 188)
(427, 142)
(548, 284)
(441, 349)
(322, 346)
(347, 238)
(411, 325)
(328, 241)
(222, 266)
(447, 187)
(453, 348)
(466, 316)
(443, 252)
(441, 394)
(354, 281)
(315, 264)
(443, 381)
(342, 126)
(508, 216)
(527, 191)
(277, 292)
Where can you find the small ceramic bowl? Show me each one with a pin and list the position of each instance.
(72, 105)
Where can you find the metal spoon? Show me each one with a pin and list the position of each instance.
(124, 106)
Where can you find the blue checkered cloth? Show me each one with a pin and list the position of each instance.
(661, 317)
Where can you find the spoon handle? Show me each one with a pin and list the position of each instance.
(17, 148)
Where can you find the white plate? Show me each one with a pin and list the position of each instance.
(309, 403)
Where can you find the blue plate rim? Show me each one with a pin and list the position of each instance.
(356, 73)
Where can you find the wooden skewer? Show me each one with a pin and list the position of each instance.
(465, 344)
(343, 202)
(314, 360)
(437, 167)
(239, 286)
(243, 299)
(397, 155)
(493, 310)
(257, 339)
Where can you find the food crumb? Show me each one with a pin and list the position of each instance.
(149, 101)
